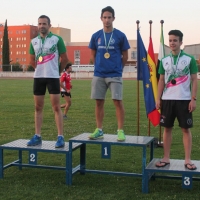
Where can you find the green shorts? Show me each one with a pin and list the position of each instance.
(100, 86)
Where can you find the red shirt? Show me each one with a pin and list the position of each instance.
(67, 79)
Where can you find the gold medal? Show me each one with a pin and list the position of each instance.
(106, 55)
(40, 59)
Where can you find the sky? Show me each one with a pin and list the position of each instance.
(83, 17)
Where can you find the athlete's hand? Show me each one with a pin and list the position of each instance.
(192, 105)
(158, 104)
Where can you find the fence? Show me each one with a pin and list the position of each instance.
(79, 72)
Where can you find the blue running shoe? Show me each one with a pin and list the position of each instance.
(96, 135)
(60, 142)
(35, 140)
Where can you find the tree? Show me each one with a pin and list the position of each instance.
(30, 69)
(91, 62)
(5, 50)
(16, 67)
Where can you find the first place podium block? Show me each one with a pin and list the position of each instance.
(46, 146)
(106, 142)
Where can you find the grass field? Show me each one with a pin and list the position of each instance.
(17, 121)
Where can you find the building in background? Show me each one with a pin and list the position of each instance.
(19, 42)
(78, 52)
(193, 49)
(20, 38)
(65, 33)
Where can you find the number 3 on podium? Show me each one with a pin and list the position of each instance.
(187, 181)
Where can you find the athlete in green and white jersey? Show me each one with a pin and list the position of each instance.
(177, 88)
(46, 50)
(178, 68)
(47, 53)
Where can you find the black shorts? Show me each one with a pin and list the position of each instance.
(40, 85)
(68, 94)
(171, 109)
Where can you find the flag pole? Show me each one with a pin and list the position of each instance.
(149, 125)
(160, 143)
(138, 94)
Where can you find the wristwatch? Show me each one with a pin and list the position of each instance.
(194, 98)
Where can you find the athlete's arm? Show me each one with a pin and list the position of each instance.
(63, 61)
(192, 104)
(161, 85)
(32, 61)
(93, 55)
(124, 57)
(62, 85)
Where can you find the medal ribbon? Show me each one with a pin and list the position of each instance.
(41, 47)
(107, 46)
(172, 61)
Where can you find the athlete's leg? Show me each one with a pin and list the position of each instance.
(119, 113)
(187, 142)
(67, 104)
(55, 101)
(99, 112)
(167, 140)
(39, 104)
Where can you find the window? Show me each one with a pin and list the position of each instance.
(11, 46)
(10, 39)
(24, 38)
(134, 55)
(77, 57)
(1, 39)
(24, 45)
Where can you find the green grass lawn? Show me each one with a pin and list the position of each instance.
(17, 122)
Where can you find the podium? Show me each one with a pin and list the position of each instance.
(175, 167)
(106, 143)
(46, 146)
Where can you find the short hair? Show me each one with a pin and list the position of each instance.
(108, 9)
(44, 16)
(176, 33)
(67, 66)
